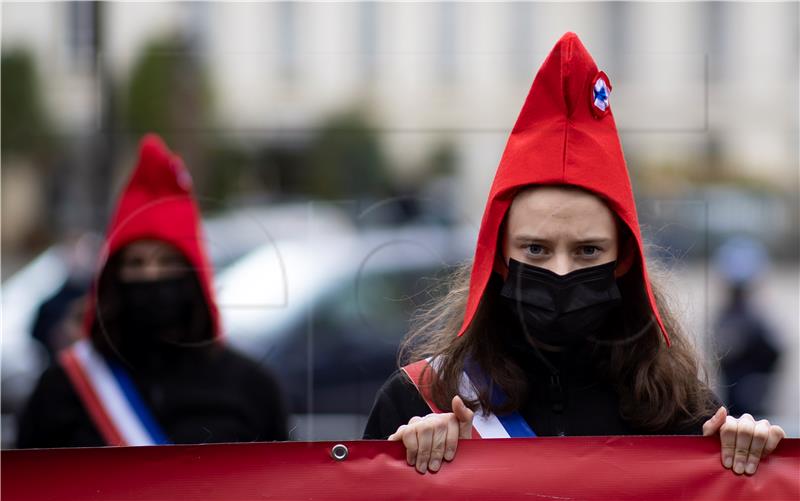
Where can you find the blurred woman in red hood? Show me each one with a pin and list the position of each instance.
(153, 368)
(556, 327)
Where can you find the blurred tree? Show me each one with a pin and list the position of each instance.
(443, 160)
(228, 164)
(28, 153)
(24, 123)
(345, 160)
(170, 93)
(281, 166)
(437, 186)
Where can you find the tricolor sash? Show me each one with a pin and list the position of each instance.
(483, 426)
(110, 397)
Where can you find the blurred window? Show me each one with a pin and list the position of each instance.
(520, 38)
(81, 33)
(287, 39)
(619, 17)
(446, 66)
(368, 37)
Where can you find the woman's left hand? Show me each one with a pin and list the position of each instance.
(744, 440)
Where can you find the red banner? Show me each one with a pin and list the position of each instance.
(654, 468)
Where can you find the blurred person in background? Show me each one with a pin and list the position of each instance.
(59, 320)
(558, 328)
(152, 367)
(747, 350)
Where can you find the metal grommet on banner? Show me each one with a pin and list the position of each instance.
(339, 452)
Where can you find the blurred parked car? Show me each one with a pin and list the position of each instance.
(326, 314)
(689, 226)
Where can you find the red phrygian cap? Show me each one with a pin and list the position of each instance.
(564, 135)
(158, 204)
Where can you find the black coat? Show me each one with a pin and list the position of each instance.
(575, 403)
(216, 395)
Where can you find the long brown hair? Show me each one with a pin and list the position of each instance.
(658, 386)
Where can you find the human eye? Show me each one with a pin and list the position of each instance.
(172, 260)
(535, 250)
(589, 251)
(133, 262)
(173, 263)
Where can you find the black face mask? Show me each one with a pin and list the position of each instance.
(560, 310)
(157, 311)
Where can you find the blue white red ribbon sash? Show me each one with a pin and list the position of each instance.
(483, 426)
(110, 398)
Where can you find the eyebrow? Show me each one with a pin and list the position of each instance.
(582, 241)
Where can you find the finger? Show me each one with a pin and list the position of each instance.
(398, 435)
(451, 443)
(425, 440)
(776, 434)
(412, 445)
(414, 419)
(438, 445)
(727, 437)
(715, 422)
(744, 437)
(760, 435)
(464, 416)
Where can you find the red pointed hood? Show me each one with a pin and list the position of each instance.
(158, 204)
(565, 134)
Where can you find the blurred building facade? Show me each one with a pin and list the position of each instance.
(695, 84)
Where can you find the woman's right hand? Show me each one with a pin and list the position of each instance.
(432, 438)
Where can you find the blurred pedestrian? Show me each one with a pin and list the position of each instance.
(747, 349)
(58, 321)
(152, 367)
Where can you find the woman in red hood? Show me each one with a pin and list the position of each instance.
(152, 368)
(557, 329)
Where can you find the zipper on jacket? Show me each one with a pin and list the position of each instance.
(556, 393)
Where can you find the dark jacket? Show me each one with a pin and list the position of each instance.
(566, 397)
(216, 396)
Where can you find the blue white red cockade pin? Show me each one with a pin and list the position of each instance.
(598, 95)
